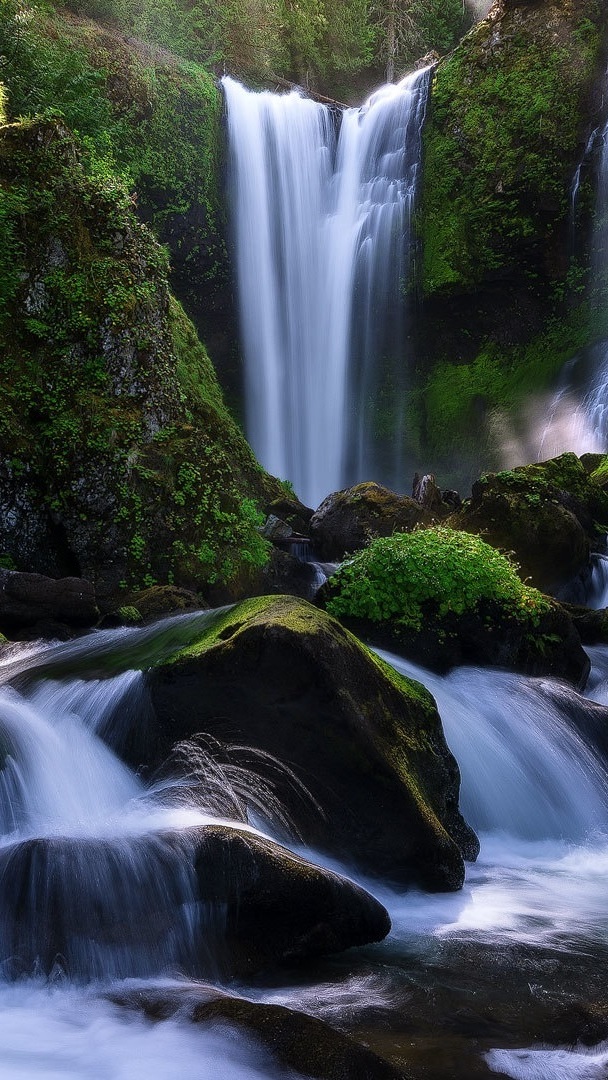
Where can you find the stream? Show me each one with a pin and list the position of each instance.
(503, 978)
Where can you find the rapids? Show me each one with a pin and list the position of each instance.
(525, 935)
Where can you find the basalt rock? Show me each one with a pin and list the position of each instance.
(347, 520)
(548, 515)
(28, 600)
(299, 1042)
(252, 904)
(282, 677)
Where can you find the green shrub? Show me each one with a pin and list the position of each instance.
(407, 577)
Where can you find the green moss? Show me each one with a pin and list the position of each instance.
(405, 577)
(599, 474)
(505, 125)
(452, 409)
(130, 615)
(110, 403)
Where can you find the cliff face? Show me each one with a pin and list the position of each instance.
(503, 281)
(119, 460)
(147, 114)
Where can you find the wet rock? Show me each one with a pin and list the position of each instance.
(274, 528)
(160, 601)
(30, 599)
(278, 675)
(207, 899)
(293, 512)
(284, 573)
(299, 1042)
(347, 520)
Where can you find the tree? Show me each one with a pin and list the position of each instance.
(406, 29)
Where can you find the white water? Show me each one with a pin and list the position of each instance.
(324, 251)
(63, 1034)
(535, 792)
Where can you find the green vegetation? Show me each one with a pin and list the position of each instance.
(454, 409)
(501, 144)
(112, 420)
(410, 577)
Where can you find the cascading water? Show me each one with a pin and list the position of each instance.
(324, 251)
(90, 850)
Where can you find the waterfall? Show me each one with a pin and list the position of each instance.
(577, 416)
(323, 213)
(525, 770)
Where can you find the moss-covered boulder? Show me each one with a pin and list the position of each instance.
(347, 520)
(299, 1042)
(509, 112)
(548, 515)
(445, 597)
(278, 675)
(509, 119)
(119, 461)
(252, 904)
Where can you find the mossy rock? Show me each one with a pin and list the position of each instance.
(120, 461)
(160, 601)
(283, 677)
(549, 515)
(444, 597)
(303, 1043)
(507, 124)
(347, 520)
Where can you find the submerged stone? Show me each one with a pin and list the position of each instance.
(298, 1041)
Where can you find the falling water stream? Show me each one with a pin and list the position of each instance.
(463, 984)
(323, 208)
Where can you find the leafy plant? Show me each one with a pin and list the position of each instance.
(408, 577)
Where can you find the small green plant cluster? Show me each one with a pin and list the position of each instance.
(409, 577)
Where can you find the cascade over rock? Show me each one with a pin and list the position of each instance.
(278, 675)
(261, 904)
(300, 1042)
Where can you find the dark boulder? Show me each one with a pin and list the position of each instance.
(548, 515)
(27, 600)
(207, 899)
(278, 675)
(299, 1042)
(347, 520)
(160, 601)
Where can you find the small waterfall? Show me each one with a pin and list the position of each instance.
(577, 416)
(525, 770)
(97, 868)
(325, 250)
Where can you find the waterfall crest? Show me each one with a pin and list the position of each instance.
(323, 211)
